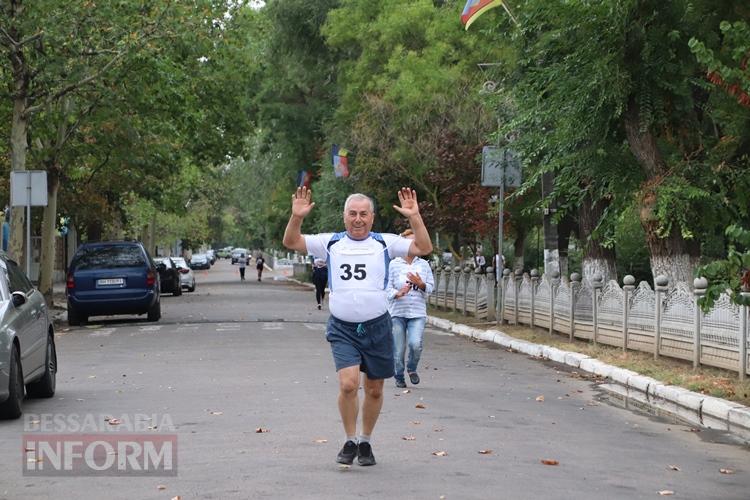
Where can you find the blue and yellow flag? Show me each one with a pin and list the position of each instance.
(475, 8)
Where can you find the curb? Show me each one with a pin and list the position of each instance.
(698, 409)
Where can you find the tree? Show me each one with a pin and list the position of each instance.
(610, 94)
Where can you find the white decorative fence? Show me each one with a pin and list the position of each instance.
(666, 321)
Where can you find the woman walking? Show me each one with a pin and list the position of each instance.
(320, 280)
(410, 281)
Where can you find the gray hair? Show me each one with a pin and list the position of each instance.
(359, 197)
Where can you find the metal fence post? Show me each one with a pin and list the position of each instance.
(575, 284)
(456, 279)
(518, 276)
(699, 289)
(553, 282)
(662, 285)
(627, 288)
(506, 278)
(743, 333)
(534, 283)
(597, 283)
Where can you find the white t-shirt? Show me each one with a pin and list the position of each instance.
(358, 272)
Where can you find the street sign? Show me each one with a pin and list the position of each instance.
(500, 167)
(28, 187)
(492, 166)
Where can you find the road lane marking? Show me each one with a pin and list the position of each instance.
(317, 327)
(273, 326)
(104, 332)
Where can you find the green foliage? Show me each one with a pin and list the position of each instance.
(732, 274)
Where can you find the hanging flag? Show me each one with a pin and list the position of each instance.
(340, 161)
(304, 178)
(475, 8)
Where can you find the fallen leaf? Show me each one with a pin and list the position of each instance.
(437, 429)
(666, 493)
(178, 497)
(540, 399)
(692, 429)
(161, 487)
(406, 391)
(408, 438)
(674, 467)
(114, 421)
(485, 452)
(440, 453)
(420, 406)
(320, 441)
(549, 461)
(261, 430)
(415, 422)
(726, 471)
(216, 413)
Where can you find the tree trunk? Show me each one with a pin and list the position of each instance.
(47, 265)
(18, 148)
(19, 123)
(518, 249)
(565, 227)
(551, 251)
(596, 258)
(673, 256)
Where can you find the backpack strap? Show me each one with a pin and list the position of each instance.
(334, 239)
(379, 238)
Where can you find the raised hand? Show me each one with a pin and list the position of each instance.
(407, 197)
(403, 290)
(302, 202)
(415, 278)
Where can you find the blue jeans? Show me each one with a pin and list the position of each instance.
(407, 330)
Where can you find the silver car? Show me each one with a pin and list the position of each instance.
(28, 359)
(187, 278)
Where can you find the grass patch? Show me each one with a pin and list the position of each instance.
(705, 380)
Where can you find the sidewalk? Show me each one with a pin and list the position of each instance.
(631, 387)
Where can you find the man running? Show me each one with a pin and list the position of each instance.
(359, 328)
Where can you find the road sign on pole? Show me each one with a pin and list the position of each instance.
(28, 188)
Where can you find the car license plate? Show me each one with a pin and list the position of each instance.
(110, 281)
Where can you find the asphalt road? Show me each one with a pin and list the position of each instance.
(236, 357)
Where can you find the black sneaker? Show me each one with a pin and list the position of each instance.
(365, 456)
(400, 384)
(414, 378)
(347, 453)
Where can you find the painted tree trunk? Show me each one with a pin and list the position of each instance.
(671, 255)
(47, 265)
(591, 266)
(596, 258)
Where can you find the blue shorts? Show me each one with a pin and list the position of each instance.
(368, 344)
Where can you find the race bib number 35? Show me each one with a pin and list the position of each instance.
(359, 272)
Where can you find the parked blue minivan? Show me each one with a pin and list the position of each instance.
(112, 277)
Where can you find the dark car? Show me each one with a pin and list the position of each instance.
(200, 261)
(169, 275)
(112, 277)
